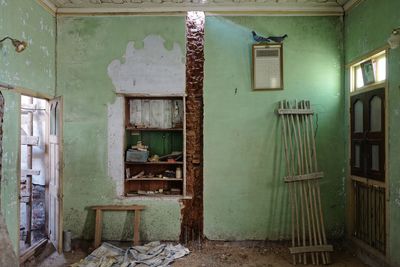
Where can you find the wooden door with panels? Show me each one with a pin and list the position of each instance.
(55, 182)
(367, 111)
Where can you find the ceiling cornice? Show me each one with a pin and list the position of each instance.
(245, 10)
(49, 6)
(351, 4)
(168, 9)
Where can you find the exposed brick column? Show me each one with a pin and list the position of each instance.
(192, 213)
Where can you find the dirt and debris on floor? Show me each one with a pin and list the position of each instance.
(224, 254)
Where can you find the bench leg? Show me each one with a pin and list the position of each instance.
(98, 228)
(136, 237)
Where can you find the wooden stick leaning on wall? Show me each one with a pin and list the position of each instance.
(308, 230)
(290, 185)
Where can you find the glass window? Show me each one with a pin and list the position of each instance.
(375, 157)
(379, 68)
(376, 114)
(358, 117)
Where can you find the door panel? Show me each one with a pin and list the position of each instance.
(55, 189)
(368, 135)
(368, 163)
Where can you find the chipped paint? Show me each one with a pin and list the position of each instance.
(150, 70)
(116, 143)
(94, 175)
(33, 69)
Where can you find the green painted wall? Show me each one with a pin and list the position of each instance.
(33, 69)
(244, 195)
(86, 46)
(367, 27)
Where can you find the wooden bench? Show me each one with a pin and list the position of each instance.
(99, 217)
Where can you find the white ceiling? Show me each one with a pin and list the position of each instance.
(328, 7)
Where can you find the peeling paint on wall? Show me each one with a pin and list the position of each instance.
(151, 70)
(31, 69)
(115, 139)
(94, 175)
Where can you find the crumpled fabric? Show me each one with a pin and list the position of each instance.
(153, 254)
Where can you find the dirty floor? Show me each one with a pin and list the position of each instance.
(221, 254)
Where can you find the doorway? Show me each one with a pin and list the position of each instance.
(368, 167)
(368, 183)
(40, 193)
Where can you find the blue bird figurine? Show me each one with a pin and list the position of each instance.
(276, 39)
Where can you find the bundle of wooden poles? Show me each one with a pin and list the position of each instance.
(308, 231)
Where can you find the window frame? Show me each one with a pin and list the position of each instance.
(354, 68)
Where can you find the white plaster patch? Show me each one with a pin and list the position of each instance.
(397, 197)
(152, 70)
(115, 138)
(44, 50)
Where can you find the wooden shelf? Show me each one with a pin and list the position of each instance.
(154, 163)
(145, 120)
(154, 195)
(155, 179)
(153, 129)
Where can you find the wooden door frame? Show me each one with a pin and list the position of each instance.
(29, 93)
(351, 178)
(34, 247)
(59, 247)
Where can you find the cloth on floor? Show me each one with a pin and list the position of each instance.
(153, 254)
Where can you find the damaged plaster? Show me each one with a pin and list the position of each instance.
(115, 139)
(152, 70)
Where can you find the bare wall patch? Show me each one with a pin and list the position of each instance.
(153, 70)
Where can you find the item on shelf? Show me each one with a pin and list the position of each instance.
(159, 176)
(142, 192)
(140, 125)
(169, 174)
(160, 190)
(128, 173)
(171, 160)
(178, 125)
(174, 155)
(139, 175)
(178, 173)
(150, 175)
(136, 155)
(154, 158)
(139, 146)
(175, 191)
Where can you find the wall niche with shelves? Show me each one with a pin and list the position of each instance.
(154, 146)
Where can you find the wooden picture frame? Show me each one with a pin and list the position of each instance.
(368, 74)
(267, 66)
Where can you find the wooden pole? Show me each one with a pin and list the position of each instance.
(290, 184)
(325, 255)
(297, 145)
(292, 166)
(303, 160)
